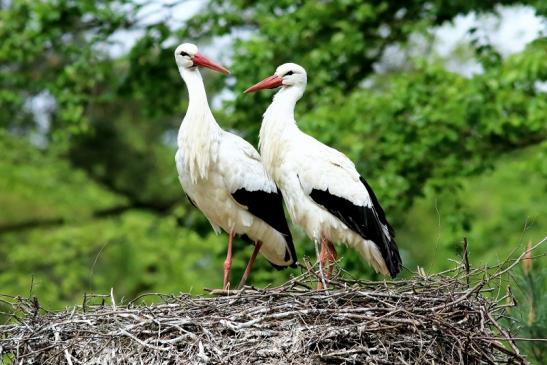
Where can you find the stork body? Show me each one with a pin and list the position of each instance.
(323, 192)
(224, 178)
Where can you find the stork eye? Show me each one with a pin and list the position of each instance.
(289, 73)
(183, 54)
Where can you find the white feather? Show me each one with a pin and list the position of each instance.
(298, 163)
(212, 164)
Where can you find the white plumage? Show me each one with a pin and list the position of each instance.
(223, 176)
(324, 193)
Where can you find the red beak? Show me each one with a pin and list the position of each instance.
(201, 60)
(268, 83)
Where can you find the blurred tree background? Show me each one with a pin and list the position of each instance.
(454, 142)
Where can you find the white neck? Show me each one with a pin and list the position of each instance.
(199, 131)
(278, 124)
(284, 102)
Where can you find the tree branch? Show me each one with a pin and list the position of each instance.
(98, 214)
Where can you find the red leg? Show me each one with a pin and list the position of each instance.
(331, 254)
(245, 276)
(322, 260)
(228, 261)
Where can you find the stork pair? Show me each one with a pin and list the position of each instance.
(242, 192)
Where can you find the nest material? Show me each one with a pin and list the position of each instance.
(424, 320)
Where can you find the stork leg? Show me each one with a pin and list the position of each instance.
(331, 255)
(245, 276)
(228, 261)
(322, 260)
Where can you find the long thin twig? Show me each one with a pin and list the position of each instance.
(466, 259)
(518, 260)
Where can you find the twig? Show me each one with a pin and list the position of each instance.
(112, 298)
(518, 260)
(466, 259)
(506, 336)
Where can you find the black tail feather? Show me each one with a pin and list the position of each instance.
(268, 206)
(367, 221)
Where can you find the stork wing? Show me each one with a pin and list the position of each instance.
(331, 180)
(251, 187)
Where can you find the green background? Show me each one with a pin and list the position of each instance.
(89, 199)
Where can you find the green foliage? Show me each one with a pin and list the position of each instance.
(134, 253)
(536, 319)
(98, 205)
(499, 212)
(36, 186)
(52, 45)
(529, 317)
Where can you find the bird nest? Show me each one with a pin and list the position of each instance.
(447, 318)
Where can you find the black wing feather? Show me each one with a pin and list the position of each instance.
(365, 221)
(378, 207)
(269, 208)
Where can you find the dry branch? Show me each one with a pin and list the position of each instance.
(436, 319)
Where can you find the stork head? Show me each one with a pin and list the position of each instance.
(287, 75)
(187, 56)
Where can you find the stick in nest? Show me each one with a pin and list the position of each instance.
(435, 319)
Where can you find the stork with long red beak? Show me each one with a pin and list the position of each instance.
(223, 175)
(323, 191)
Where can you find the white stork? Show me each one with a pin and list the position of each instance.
(223, 176)
(323, 191)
